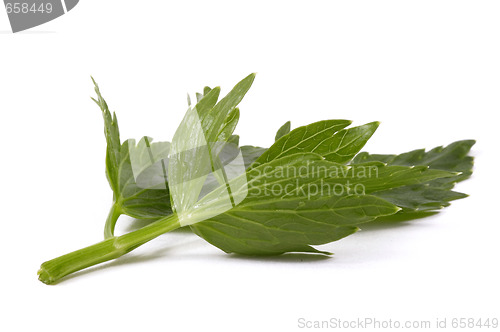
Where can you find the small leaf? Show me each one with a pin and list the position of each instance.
(145, 198)
(251, 154)
(215, 120)
(308, 138)
(433, 194)
(188, 162)
(195, 154)
(344, 145)
(112, 134)
(129, 197)
(419, 197)
(285, 129)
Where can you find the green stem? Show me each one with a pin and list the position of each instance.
(114, 247)
(113, 215)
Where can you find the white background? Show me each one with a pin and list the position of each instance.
(428, 70)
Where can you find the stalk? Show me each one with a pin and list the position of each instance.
(114, 247)
(113, 215)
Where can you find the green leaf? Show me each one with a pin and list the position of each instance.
(206, 104)
(112, 134)
(344, 145)
(434, 194)
(128, 197)
(451, 158)
(269, 224)
(377, 176)
(215, 120)
(229, 124)
(326, 138)
(251, 154)
(303, 139)
(289, 210)
(188, 162)
(199, 96)
(196, 148)
(420, 197)
(138, 200)
(285, 129)
(149, 198)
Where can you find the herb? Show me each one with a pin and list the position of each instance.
(311, 187)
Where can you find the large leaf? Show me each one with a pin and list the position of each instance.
(287, 210)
